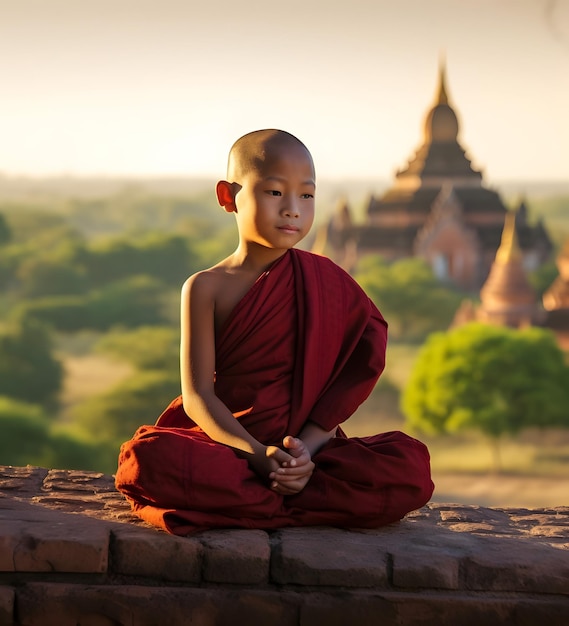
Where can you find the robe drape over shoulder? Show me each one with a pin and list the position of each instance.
(305, 343)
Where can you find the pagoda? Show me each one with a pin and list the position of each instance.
(507, 298)
(556, 300)
(439, 209)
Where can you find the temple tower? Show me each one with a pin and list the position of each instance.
(506, 297)
(439, 209)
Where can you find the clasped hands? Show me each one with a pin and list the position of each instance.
(290, 470)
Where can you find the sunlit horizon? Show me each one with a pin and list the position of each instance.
(148, 89)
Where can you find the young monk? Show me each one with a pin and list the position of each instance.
(278, 347)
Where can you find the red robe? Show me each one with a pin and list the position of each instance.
(305, 343)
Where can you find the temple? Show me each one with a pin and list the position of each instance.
(556, 300)
(506, 298)
(438, 209)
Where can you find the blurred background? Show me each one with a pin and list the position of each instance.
(440, 135)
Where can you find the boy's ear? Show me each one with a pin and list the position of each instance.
(225, 192)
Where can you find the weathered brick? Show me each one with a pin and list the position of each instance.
(450, 610)
(474, 514)
(77, 480)
(236, 556)
(548, 530)
(7, 543)
(7, 595)
(550, 611)
(342, 608)
(156, 555)
(68, 605)
(63, 548)
(328, 557)
(502, 566)
(243, 608)
(47, 604)
(21, 480)
(429, 569)
(517, 565)
(73, 544)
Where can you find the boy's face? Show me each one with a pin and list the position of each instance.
(275, 204)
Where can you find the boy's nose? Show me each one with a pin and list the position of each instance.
(291, 209)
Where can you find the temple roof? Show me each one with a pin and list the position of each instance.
(385, 238)
(507, 284)
(441, 122)
(473, 200)
(440, 153)
(509, 250)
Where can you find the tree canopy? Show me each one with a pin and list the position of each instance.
(29, 436)
(146, 347)
(408, 294)
(5, 231)
(493, 379)
(115, 415)
(28, 369)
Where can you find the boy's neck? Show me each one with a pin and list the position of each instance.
(255, 258)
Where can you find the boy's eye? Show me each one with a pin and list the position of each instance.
(273, 192)
(307, 196)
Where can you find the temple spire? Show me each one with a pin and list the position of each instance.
(509, 249)
(442, 95)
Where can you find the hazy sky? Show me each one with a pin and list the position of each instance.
(165, 86)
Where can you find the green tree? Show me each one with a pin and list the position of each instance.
(162, 256)
(543, 277)
(46, 277)
(407, 293)
(146, 347)
(28, 223)
(64, 313)
(115, 415)
(130, 302)
(25, 433)
(29, 437)
(5, 231)
(67, 450)
(492, 379)
(28, 369)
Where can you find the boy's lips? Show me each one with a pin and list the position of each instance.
(289, 228)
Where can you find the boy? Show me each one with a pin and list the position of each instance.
(278, 347)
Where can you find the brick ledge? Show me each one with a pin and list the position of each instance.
(72, 553)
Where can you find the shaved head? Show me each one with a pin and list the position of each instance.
(252, 151)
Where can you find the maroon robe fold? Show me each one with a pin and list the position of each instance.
(305, 343)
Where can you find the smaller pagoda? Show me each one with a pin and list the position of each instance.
(556, 300)
(507, 298)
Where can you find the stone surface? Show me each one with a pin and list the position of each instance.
(33, 539)
(72, 553)
(145, 553)
(7, 595)
(236, 556)
(330, 557)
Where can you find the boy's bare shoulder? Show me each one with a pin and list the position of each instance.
(206, 282)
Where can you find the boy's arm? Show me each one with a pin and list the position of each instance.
(197, 368)
(314, 436)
